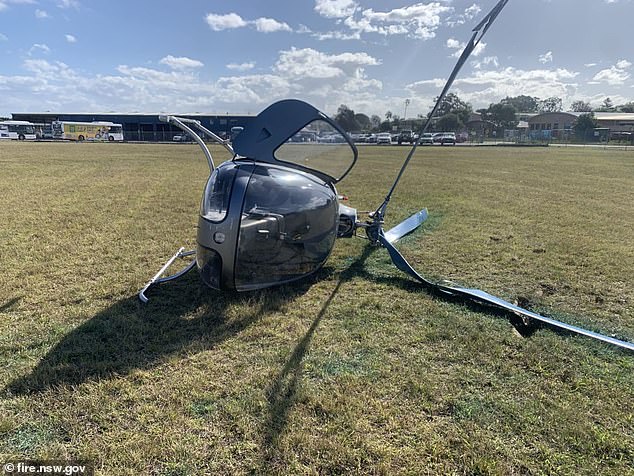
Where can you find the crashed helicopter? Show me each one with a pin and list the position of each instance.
(271, 215)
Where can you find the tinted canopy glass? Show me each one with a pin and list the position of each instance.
(287, 230)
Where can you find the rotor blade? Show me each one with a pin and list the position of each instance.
(478, 33)
(406, 226)
(486, 298)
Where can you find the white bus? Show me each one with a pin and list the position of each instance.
(93, 131)
(17, 130)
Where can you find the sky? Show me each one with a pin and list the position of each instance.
(239, 56)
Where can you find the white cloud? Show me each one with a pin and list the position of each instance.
(472, 11)
(269, 25)
(310, 63)
(323, 79)
(468, 14)
(70, 38)
(233, 20)
(335, 8)
(336, 35)
(546, 57)
(39, 47)
(41, 14)
(485, 87)
(68, 4)
(3, 37)
(612, 76)
(419, 20)
(241, 66)
(615, 75)
(459, 47)
(181, 62)
(4, 4)
(225, 22)
(453, 43)
(486, 61)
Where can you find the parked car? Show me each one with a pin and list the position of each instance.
(448, 138)
(371, 139)
(406, 136)
(383, 138)
(427, 138)
(182, 138)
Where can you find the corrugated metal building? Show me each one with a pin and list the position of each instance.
(142, 127)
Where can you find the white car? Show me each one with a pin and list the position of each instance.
(383, 138)
(181, 138)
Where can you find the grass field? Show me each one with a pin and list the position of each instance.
(354, 371)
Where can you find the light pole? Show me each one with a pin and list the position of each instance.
(405, 112)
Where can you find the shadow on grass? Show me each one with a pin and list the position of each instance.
(281, 395)
(129, 335)
(9, 304)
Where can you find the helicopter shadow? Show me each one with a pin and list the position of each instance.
(281, 394)
(129, 335)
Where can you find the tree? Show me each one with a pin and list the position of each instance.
(452, 104)
(448, 122)
(388, 116)
(585, 123)
(581, 106)
(522, 103)
(502, 115)
(345, 118)
(627, 107)
(376, 121)
(363, 121)
(607, 105)
(552, 104)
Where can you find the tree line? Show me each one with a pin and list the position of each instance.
(453, 113)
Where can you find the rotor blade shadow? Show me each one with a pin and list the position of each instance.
(281, 394)
(128, 336)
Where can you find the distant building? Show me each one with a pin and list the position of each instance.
(142, 127)
(555, 124)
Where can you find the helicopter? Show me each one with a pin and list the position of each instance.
(271, 214)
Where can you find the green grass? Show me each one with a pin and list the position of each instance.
(356, 370)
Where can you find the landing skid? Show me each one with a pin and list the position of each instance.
(157, 279)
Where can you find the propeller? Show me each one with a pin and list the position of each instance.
(374, 229)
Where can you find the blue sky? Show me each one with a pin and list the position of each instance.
(239, 56)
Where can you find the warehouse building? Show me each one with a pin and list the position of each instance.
(142, 127)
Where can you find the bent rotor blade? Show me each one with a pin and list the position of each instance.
(476, 37)
(406, 226)
(486, 298)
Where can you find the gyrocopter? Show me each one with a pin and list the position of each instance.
(271, 215)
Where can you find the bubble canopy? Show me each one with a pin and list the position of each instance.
(295, 134)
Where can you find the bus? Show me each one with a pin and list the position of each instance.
(92, 131)
(17, 130)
